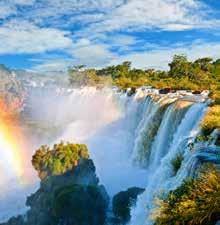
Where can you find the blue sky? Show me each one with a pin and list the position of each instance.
(51, 35)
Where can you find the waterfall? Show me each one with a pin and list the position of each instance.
(168, 143)
(108, 128)
(132, 140)
(171, 120)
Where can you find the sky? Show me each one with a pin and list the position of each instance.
(52, 35)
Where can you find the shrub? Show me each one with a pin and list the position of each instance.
(211, 120)
(61, 158)
(195, 202)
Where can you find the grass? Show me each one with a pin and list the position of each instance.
(211, 121)
(195, 202)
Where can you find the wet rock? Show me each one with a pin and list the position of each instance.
(73, 198)
(217, 142)
(165, 91)
(196, 92)
(122, 201)
(131, 91)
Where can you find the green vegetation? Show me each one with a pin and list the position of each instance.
(60, 159)
(123, 201)
(195, 202)
(79, 76)
(201, 74)
(72, 198)
(211, 120)
(176, 162)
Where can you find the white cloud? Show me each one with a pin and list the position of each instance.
(5, 10)
(22, 2)
(148, 14)
(83, 52)
(91, 54)
(159, 58)
(110, 15)
(99, 26)
(53, 65)
(97, 55)
(23, 37)
(121, 40)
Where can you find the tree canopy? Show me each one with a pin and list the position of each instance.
(201, 74)
(61, 158)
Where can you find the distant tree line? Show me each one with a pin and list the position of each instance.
(201, 74)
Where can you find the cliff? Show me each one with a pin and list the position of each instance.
(11, 91)
(73, 197)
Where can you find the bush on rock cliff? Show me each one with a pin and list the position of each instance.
(58, 160)
(69, 191)
(195, 202)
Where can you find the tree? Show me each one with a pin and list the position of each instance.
(179, 67)
(204, 63)
(61, 158)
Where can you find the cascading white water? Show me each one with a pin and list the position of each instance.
(106, 122)
(161, 178)
(147, 130)
(171, 120)
(131, 140)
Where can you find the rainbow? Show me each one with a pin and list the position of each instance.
(13, 155)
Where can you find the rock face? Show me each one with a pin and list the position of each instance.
(165, 91)
(122, 202)
(196, 92)
(73, 198)
(11, 91)
(131, 91)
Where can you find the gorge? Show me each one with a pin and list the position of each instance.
(133, 140)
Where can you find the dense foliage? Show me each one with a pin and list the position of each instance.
(195, 202)
(58, 160)
(211, 120)
(201, 74)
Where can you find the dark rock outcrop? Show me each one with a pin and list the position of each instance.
(196, 92)
(122, 202)
(165, 91)
(131, 91)
(73, 198)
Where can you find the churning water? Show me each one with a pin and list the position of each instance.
(132, 140)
